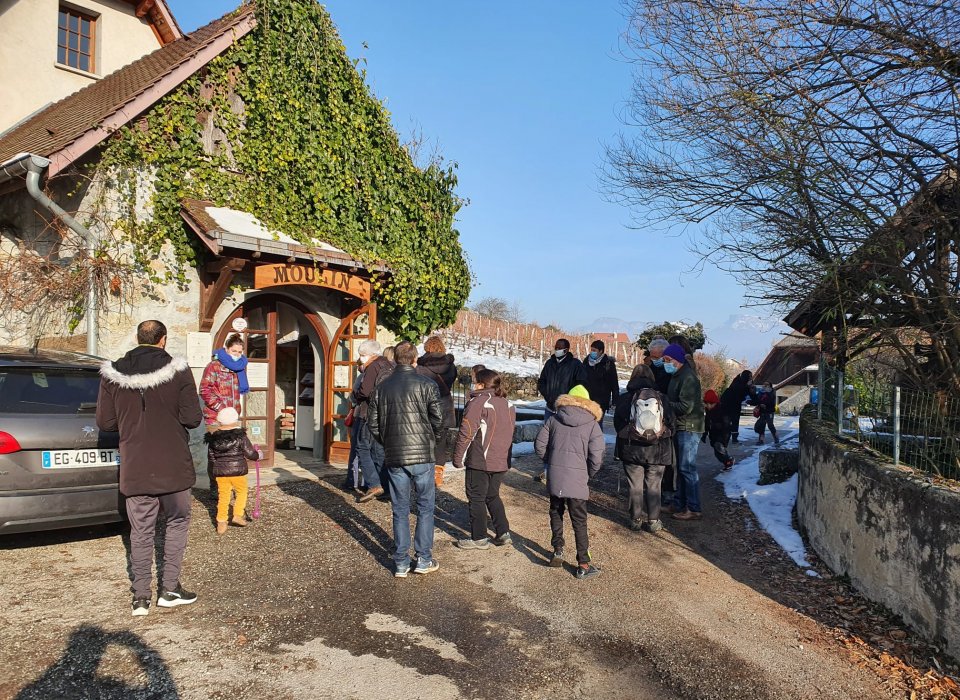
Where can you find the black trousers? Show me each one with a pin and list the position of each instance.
(733, 418)
(720, 451)
(644, 499)
(578, 516)
(483, 496)
(765, 421)
(719, 439)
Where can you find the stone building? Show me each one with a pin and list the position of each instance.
(302, 307)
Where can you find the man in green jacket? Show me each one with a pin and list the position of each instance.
(686, 400)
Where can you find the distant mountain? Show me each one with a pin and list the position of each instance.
(745, 337)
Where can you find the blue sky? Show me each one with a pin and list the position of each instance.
(523, 96)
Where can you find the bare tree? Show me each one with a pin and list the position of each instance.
(795, 133)
(493, 307)
(515, 312)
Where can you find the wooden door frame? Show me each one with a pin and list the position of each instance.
(315, 323)
(347, 322)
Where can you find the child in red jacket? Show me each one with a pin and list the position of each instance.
(718, 429)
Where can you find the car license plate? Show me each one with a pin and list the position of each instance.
(73, 459)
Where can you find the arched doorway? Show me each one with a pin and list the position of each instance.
(288, 352)
(358, 326)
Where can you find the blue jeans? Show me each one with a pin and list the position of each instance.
(420, 476)
(370, 453)
(688, 488)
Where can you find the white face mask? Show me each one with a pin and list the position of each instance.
(363, 359)
(559, 353)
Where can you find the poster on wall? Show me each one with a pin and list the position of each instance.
(258, 374)
(199, 349)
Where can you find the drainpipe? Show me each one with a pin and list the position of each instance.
(33, 167)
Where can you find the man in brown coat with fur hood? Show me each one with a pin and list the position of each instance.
(151, 399)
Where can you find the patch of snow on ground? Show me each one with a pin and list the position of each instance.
(772, 504)
(469, 356)
(523, 448)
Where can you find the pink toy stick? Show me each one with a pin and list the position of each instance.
(256, 497)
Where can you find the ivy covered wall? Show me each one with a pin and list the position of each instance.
(283, 126)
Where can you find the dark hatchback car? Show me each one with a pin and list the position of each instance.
(57, 469)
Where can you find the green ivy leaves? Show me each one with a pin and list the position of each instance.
(311, 153)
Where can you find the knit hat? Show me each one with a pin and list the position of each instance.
(228, 416)
(580, 391)
(710, 396)
(675, 352)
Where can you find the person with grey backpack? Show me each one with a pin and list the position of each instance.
(645, 426)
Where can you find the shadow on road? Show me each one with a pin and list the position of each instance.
(74, 675)
(347, 515)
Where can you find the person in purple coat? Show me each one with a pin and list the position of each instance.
(572, 443)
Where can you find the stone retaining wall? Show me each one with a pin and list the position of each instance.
(895, 535)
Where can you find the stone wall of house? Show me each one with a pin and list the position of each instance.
(894, 534)
(24, 225)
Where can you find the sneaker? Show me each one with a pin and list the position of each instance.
(474, 544)
(727, 466)
(426, 567)
(402, 572)
(542, 476)
(557, 560)
(637, 525)
(688, 515)
(178, 596)
(371, 494)
(588, 571)
(654, 526)
(141, 606)
(503, 539)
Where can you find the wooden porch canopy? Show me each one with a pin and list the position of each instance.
(876, 281)
(238, 240)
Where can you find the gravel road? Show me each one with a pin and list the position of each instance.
(303, 605)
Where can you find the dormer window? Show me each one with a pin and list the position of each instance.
(76, 39)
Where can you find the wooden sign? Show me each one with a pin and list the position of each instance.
(266, 276)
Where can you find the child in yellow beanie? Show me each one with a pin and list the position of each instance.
(572, 443)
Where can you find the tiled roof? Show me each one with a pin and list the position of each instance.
(62, 123)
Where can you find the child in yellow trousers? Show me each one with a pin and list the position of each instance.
(228, 449)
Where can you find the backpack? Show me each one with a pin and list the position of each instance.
(647, 420)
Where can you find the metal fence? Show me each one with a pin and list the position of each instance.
(919, 429)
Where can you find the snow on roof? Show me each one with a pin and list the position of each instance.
(246, 224)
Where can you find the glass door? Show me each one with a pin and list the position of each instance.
(359, 326)
(259, 340)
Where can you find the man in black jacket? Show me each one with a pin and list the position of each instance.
(151, 399)
(559, 375)
(602, 383)
(405, 415)
(733, 397)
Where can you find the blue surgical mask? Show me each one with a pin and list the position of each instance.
(594, 355)
(658, 362)
(669, 368)
(559, 353)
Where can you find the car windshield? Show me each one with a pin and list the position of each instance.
(48, 390)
